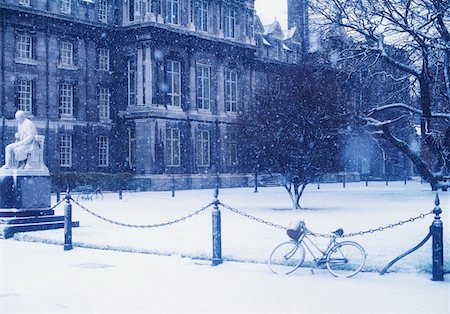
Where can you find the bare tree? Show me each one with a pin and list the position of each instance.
(419, 30)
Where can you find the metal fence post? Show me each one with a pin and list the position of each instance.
(438, 244)
(216, 230)
(68, 223)
(120, 193)
(173, 186)
(58, 195)
(256, 180)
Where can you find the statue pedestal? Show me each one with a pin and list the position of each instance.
(25, 201)
(25, 189)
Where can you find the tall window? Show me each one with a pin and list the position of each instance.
(66, 6)
(230, 23)
(203, 86)
(66, 53)
(25, 2)
(232, 149)
(202, 16)
(24, 46)
(147, 6)
(65, 150)
(66, 99)
(131, 147)
(103, 151)
(174, 82)
(103, 11)
(25, 95)
(103, 59)
(132, 68)
(173, 147)
(103, 103)
(173, 14)
(231, 78)
(202, 148)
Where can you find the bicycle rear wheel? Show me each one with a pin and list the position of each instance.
(346, 259)
(286, 257)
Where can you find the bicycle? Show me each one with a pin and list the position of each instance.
(342, 259)
(90, 195)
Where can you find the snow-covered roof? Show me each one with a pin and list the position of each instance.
(274, 29)
(286, 47)
(265, 42)
(290, 32)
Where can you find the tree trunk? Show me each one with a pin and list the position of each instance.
(298, 192)
(415, 158)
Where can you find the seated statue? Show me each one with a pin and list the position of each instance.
(16, 153)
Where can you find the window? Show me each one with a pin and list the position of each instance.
(103, 151)
(103, 59)
(25, 95)
(25, 2)
(66, 6)
(132, 68)
(131, 147)
(173, 147)
(202, 148)
(66, 54)
(203, 86)
(147, 6)
(24, 46)
(103, 103)
(174, 82)
(232, 149)
(230, 90)
(202, 16)
(230, 23)
(66, 99)
(138, 7)
(103, 11)
(173, 15)
(65, 150)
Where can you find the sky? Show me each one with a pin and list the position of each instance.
(268, 10)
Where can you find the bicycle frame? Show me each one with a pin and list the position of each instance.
(322, 259)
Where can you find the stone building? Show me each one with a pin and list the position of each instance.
(148, 86)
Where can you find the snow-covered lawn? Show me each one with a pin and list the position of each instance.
(354, 208)
(42, 278)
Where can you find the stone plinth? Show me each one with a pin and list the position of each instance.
(25, 189)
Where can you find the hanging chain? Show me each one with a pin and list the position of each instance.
(143, 226)
(239, 212)
(56, 205)
(381, 228)
(352, 234)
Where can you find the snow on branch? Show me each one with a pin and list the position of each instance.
(409, 108)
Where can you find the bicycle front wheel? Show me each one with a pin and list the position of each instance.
(286, 257)
(346, 259)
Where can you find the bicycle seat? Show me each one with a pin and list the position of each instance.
(339, 232)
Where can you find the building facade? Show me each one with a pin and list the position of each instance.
(148, 86)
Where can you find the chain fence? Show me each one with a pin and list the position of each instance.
(352, 234)
(148, 226)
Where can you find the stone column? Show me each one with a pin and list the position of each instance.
(139, 77)
(192, 90)
(220, 99)
(148, 76)
(145, 145)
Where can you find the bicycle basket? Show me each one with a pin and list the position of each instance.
(296, 229)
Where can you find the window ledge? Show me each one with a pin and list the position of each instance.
(105, 120)
(67, 117)
(67, 67)
(25, 61)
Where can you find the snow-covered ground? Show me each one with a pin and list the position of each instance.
(81, 280)
(354, 208)
(41, 278)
